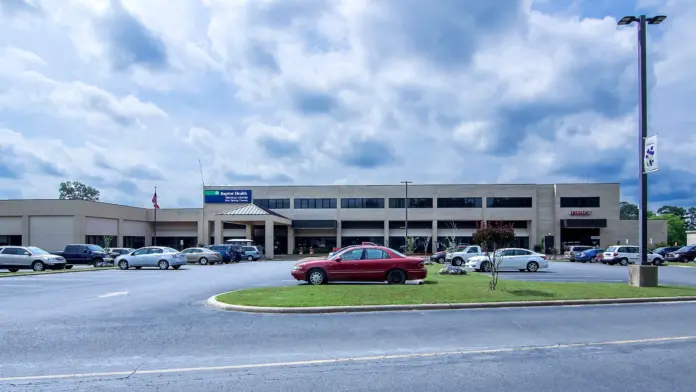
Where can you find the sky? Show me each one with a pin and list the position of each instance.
(128, 95)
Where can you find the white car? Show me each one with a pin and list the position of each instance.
(510, 259)
(628, 254)
(15, 258)
(152, 256)
(462, 256)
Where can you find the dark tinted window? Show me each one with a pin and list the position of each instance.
(10, 251)
(315, 203)
(73, 249)
(579, 202)
(273, 204)
(362, 203)
(509, 202)
(414, 202)
(459, 202)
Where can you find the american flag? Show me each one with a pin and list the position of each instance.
(154, 200)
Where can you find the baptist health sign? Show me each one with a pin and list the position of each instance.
(228, 196)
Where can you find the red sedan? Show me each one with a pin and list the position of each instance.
(362, 263)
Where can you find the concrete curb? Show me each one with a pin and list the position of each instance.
(52, 272)
(479, 305)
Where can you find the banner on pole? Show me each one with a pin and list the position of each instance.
(650, 163)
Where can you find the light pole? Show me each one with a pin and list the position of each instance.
(643, 23)
(406, 207)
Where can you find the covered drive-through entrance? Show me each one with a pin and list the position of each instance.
(251, 215)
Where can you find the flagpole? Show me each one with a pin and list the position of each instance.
(155, 227)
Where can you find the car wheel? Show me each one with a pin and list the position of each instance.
(486, 266)
(457, 261)
(684, 260)
(658, 261)
(68, 266)
(13, 269)
(97, 262)
(623, 262)
(38, 266)
(202, 261)
(532, 266)
(572, 260)
(176, 267)
(250, 258)
(123, 264)
(593, 259)
(396, 276)
(316, 276)
(163, 264)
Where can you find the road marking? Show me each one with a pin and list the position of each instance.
(346, 359)
(114, 294)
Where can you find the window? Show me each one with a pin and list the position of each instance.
(273, 204)
(362, 203)
(459, 202)
(375, 254)
(355, 254)
(509, 202)
(473, 250)
(73, 249)
(156, 250)
(579, 202)
(140, 252)
(420, 202)
(10, 251)
(315, 203)
(521, 252)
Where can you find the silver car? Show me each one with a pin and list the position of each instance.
(202, 256)
(152, 256)
(15, 258)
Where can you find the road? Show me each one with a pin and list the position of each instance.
(149, 330)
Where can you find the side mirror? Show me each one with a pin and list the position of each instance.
(337, 259)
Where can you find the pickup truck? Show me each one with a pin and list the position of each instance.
(84, 254)
(460, 257)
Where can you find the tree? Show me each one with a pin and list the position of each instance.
(428, 237)
(410, 246)
(691, 218)
(452, 239)
(676, 229)
(628, 211)
(672, 210)
(492, 235)
(75, 190)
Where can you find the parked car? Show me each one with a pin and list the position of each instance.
(115, 252)
(439, 257)
(84, 254)
(15, 258)
(152, 256)
(628, 254)
(461, 256)
(588, 255)
(683, 254)
(575, 249)
(362, 263)
(510, 259)
(666, 249)
(229, 253)
(252, 253)
(202, 256)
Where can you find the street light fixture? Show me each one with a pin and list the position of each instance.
(406, 210)
(643, 21)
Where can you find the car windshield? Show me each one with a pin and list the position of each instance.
(611, 249)
(95, 248)
(37, 251)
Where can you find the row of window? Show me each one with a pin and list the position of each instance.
(442, 202)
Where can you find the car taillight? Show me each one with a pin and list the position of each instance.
(616, 253)
(421, 264)
(544, 257)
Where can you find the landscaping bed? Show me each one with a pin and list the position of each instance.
(437, 289)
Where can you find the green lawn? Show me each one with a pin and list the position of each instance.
(472, 287)
(48, 272)
(683, 264)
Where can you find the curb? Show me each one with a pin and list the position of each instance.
(474, 305)
(52, 272)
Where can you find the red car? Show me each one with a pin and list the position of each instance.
(362, 263)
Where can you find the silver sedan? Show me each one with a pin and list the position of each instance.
(202, 256)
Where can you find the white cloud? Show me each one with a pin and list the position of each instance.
(341, 92)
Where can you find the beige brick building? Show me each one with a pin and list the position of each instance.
(294, 217)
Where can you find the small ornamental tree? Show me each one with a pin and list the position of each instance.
(410, 247)
(493, 235)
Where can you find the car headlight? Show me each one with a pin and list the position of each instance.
(297, 268)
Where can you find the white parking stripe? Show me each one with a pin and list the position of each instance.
(347, 359)
(114, 294)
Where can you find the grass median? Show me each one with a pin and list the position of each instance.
(472, 287)
(49, 272)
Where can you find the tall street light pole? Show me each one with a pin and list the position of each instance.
(643, 23)
(406, 210)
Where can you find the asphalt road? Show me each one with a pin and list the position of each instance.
(149, 330)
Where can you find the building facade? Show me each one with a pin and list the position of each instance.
(290, 219)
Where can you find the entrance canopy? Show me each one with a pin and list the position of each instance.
(248, 213)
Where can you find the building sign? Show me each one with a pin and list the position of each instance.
(236, 196)
(580, 213)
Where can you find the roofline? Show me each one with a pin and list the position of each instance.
(410, 185)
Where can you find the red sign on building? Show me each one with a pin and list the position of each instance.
(580, 213)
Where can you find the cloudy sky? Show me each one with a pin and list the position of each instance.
(128, 95)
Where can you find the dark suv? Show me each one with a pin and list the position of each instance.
(228, 252)
(683, 254)
(666, 249)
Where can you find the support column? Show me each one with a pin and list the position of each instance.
(291, 240)
(434, 236)
(338, 234)
(119, 236)
(269, 235)
(26, 239)
(386, 233)
(249, 231)
(533, 235)
(79, 229)
(200, 232)
(217, 229)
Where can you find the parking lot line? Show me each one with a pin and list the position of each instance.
(114, 294)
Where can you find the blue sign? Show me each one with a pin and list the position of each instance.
(228, 196)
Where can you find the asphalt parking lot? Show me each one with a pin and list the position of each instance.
(150, 330)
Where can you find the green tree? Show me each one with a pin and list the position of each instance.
(75, 190)
(691, 218)
(672, 210)
(492, 235)
(628, 211)
(676, 229)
